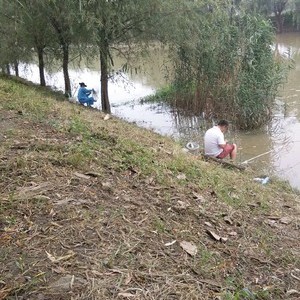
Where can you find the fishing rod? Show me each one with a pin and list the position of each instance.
(257, 156)
(262, 154)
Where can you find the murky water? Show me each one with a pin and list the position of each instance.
(273, 150)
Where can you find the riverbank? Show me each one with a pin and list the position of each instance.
(96, 208)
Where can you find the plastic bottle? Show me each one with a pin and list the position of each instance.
(265, 180)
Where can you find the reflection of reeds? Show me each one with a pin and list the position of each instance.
(189, 128)
(279, 134)
(192, 128)
(221, 102)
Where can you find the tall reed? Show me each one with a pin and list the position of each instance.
(228, 70)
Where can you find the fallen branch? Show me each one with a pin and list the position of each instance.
(224, 163)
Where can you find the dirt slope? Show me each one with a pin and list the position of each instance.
(100, 209)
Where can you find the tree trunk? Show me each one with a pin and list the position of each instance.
(279, 7)
(40, 52)
(16, 67)
(279, 22)
(104, 78)
(297, 12)
(66, 70)
(64, 43)
(7, 69)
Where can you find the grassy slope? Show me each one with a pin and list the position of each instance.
(87, 207)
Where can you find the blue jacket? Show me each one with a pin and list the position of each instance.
(83, 93)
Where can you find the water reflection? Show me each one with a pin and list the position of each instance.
(285, 126)
(271, 150)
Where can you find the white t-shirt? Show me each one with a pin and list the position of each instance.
(212, 139)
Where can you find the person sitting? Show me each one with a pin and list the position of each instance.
(84, 95)
(214, 143)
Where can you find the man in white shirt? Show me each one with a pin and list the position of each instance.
(215, 144)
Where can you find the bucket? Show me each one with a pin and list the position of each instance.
(193, 147)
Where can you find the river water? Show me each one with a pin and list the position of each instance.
(271, 151)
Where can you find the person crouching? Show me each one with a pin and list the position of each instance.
(84, 95)
(215, 144)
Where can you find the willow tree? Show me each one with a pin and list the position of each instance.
(12, 46)
(63, 20)
(26, 27)
(7, 41)
(35, 31)
(117, 25)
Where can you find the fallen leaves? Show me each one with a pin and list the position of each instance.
(66, 283)
(275, 221)
(126, 295)
(181, 176)
(182, 204)
(216, 237)
(82, 176)
(106, 117)
(4, 292)
(285, 220)
(71, 200)
(198, 197)
(34, 190)
(189, 248)
(54, 259)
(228, 220)
(296, 274)
(293, 292)
(170, 243)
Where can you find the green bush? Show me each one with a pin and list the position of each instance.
(229, 68)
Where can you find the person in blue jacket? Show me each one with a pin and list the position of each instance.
(84, 95)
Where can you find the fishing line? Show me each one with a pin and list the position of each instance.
(257, 156)
(262, 154)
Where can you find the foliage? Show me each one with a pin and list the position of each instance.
(221, 54)
(120, 25)
(285, 13)
(165, 94)
(231, 72)
(259, 78)
(12, 48)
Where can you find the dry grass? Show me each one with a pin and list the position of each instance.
(95, 209)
